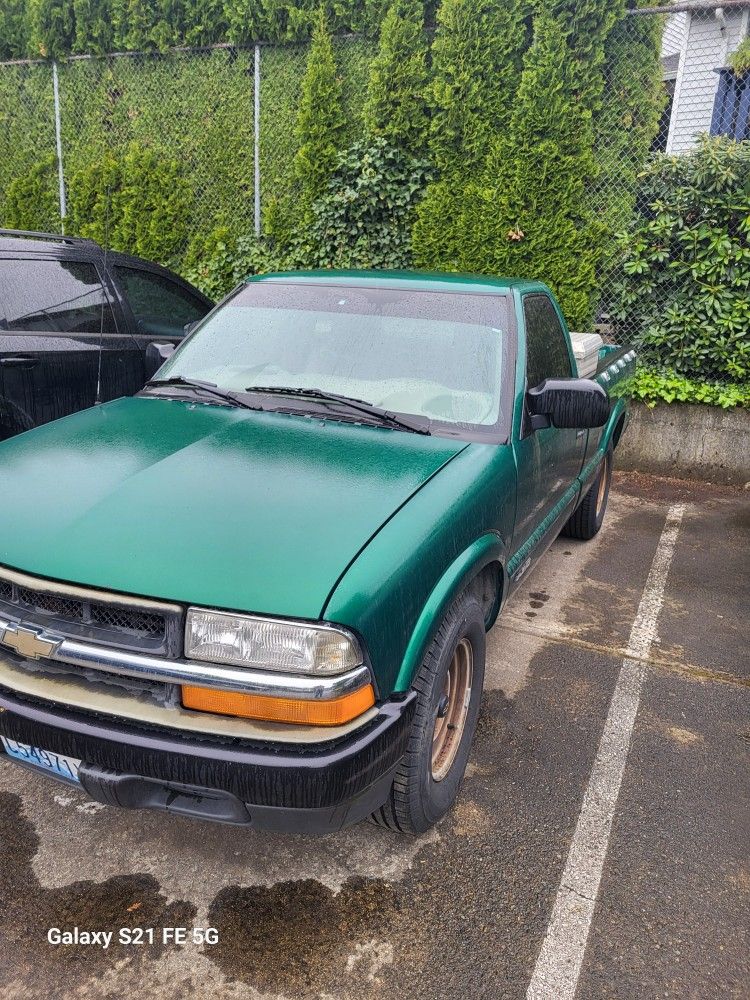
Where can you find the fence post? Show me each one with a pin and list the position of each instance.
(256, 139)
(58, 144)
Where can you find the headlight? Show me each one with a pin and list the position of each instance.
(269, 644)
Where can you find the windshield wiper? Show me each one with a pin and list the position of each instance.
(211, 388)
(360, 405)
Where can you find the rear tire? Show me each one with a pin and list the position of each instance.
(449, 692)
(587, 518)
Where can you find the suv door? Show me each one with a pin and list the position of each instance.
(59, 340)
(548, 460)
(161, 306)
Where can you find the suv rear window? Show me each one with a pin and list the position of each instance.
(161, 307)
(53, 296)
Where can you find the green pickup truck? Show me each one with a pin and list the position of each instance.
(258, 591)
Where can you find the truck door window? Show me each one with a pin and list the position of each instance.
(546, 348)
(53, 296)
(161, 307)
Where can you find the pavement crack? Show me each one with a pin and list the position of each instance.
(576, 892)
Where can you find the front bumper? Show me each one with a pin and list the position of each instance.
(307, 788)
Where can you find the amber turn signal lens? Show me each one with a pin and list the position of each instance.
(253, 706)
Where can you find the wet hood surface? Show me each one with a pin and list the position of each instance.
(205, 504)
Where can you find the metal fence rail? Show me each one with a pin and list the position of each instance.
(227, 114)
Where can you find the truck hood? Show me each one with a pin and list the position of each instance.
(205, 504)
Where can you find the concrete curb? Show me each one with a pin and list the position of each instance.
(687, 441)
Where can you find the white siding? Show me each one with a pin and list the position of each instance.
(706, 47)
(674, 29)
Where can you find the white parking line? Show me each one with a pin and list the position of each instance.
(559, 963)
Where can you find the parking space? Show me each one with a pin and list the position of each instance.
(466, 910)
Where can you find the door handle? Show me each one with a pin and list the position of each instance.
(19, 361)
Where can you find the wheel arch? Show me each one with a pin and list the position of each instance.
(480, 565)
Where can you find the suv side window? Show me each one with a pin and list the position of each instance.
(53, 296)
(546, 347)
(160, 306)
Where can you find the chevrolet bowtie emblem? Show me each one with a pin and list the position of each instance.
(29, 642)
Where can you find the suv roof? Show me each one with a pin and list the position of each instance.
(23, 237)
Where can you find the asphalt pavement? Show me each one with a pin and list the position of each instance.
(600, 847)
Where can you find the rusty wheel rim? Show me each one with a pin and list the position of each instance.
(453, 709)
(602, 491)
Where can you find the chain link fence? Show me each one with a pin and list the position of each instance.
(227, 115)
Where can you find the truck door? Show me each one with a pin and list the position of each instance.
(54, 315)
(548, 461)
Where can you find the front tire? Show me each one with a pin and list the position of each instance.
(449, 692)
(587, 518)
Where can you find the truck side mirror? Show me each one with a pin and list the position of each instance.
(568, 402)
(156, 355)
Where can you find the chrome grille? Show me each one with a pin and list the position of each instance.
(51, 604)
(118, 623)
(128, 619)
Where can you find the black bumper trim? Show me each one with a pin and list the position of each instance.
(276, 775)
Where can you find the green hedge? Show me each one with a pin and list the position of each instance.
(52, 28)
(138, 203)
(685, 273)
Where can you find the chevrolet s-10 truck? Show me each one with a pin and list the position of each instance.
(258, 591)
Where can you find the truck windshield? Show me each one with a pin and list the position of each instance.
(435, 355)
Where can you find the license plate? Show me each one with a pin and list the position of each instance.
(55, 764)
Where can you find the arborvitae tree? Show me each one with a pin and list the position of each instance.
(134, 22)
(396, 102)
(94, 31)
(14, 29)
(51, 27)
(586, 25)
(476, 62)
(626, 122)
(139, 203)
(320, 120)
(31, 199)
(205, 22)
(536, 220)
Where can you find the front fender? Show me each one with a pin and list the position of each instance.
(393, 592)
(484, 551)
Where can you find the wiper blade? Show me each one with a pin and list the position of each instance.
(211, 388)
(360, 405)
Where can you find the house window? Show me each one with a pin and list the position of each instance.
(659, 145)
(731, 115)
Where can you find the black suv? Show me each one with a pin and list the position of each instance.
(77, 325)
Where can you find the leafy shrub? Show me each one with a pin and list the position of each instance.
(31, 201)
(219, 261)
(137, 203)
(685, 278)
(652, 386)
(363, 219)
(739, 60)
